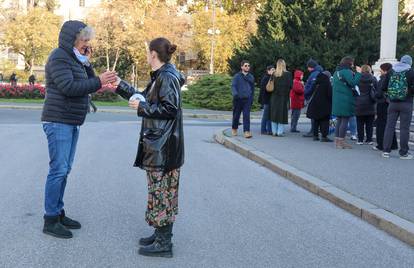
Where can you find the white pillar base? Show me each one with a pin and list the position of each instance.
(376, 66)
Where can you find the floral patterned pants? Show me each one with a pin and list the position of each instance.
(162, 197)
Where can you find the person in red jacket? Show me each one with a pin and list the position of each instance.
(297, 100)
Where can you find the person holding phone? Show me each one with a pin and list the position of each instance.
(161, 143)
(70, 79)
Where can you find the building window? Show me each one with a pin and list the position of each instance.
(82, 3)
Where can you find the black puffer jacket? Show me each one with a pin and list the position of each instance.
(68, 82)
(365, 102)
(161, 143)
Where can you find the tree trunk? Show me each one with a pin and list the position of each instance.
(116, 59)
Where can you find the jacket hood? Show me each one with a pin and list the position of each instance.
(67, 35)
(318, 69)
(170, 68)
(298, 75)
(400, 67)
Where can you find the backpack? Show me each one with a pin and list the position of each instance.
(398, 86)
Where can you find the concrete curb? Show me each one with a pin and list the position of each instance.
(122, 111)
(380, 218)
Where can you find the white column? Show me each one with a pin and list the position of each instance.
(389, 28)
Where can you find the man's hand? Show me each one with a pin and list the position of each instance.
(134, 104)
(108, 77)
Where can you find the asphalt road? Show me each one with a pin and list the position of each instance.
(233, 212)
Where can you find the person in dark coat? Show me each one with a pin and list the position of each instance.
(320, 106)
(264, 99)
(279, 100)
(161, 143)
(13, 79)
(382, 111)
(242, 89)
(32, 79)
(297, 100)
(343, 98)
(365, 105)
(69, 80)
(314, 70)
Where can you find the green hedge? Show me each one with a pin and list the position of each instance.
(213, 92)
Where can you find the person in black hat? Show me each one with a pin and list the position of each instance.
(315, 69)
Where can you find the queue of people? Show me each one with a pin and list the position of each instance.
(352, 97)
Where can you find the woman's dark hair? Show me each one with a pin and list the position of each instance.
(386, 66)
(347, 61)
(163, 47)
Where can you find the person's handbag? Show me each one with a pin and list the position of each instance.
(270, 86)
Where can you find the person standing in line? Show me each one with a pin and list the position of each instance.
(297, 100)
(399, 85)
(382, 111)
(279, 100)
(366, 105)
(343, 98)
(243, 93)
(315, 69)
(264, 99)
(320, 106)
(161, 143)
(352, 127)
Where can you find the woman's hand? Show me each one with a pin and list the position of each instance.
(117, 82)
(134, 104)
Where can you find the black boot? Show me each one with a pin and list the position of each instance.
(68, 222)
(162, 246)
(146, 241)
(54, 228)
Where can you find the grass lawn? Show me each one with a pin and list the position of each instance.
(121, 103)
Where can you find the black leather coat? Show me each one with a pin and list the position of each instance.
(161, 143)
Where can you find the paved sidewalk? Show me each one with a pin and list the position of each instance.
(386, 183)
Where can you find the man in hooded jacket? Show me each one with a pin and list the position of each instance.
(401, 108)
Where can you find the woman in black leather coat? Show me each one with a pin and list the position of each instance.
(161, 143)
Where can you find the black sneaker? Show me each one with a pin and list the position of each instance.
(68, 222)
(316, 138)
(53, 227)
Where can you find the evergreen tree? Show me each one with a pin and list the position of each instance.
(325, 30)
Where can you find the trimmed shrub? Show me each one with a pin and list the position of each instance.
(213, 92)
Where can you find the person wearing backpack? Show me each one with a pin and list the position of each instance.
(366, 105)
(382, 111)
(399, 86)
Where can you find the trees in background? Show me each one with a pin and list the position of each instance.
(32, 34)
(325, 30)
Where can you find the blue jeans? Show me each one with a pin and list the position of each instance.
(62, 140)
(239, 106)
(352, 125)
(266, 124)
(277, 128)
